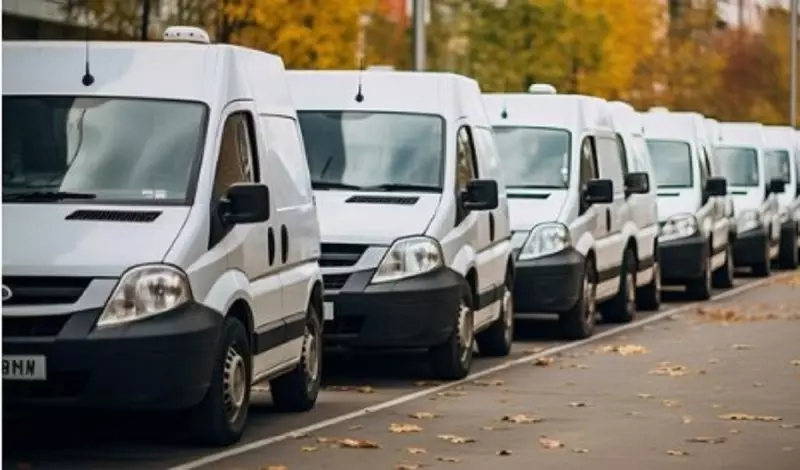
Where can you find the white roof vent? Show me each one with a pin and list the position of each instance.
(381, 67)
(658, 109)
(191, 34)
(542, 89)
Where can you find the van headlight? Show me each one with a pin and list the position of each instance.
(145, 291)
(545, 239)
(679, 226)
(748, 220)
(409, 257)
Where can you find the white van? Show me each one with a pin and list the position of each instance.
(781, 157)
(644, 207)
(694, 242)
(573, 231)
(741, 154)
(413, 213)
(160, 241)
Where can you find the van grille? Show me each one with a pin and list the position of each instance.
(341, 254)
(33, 326)
(44, 290)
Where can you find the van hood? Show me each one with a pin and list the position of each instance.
(674, 201)
(38, 239)
(530, 207)
(373, 218)
(746, 198)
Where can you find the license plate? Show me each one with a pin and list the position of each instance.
(327, 311)
(24, 368)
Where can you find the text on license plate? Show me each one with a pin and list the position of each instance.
(24, 368)
(327, 311)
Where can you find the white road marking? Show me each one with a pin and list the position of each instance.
(244, 448)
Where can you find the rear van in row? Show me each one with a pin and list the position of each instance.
(781, 158)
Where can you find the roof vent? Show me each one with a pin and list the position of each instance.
(542, 89)
(384, 68)
(658, 109)
(191, 34)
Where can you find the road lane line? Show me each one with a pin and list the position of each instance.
(251, 446)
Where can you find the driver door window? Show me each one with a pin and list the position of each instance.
(465, 159)
(588, 167)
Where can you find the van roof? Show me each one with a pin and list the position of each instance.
(782, 137)
(448, 95)
(741, 134)
(684, 126)
(546, 110)
(212, 74)
(625, 118)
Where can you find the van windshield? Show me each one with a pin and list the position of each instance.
(534, 157)
(672, 163)
(358, 150)
(104, 149)
(738, 165)
(778, 164)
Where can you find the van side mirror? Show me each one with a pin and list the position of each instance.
(480, 195)
(776, 186)
(599, 191)
(245, 203)
(637, 183)
(716, 186)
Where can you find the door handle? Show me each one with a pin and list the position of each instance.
(608, 220)
(284, 244)
(271, 245)
(491, 226)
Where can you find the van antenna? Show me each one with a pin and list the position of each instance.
(88, 78)
(359, 93)
(504, 112)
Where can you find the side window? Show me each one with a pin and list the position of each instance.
(608, 162)
(465, 159)
(588, 161)
(236, 154)
(623, 155)
(285, 138)
(705, 167)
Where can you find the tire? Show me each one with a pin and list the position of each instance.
(452, 359)
(219, 419)
(622, 308)
(787, 259)
(297, 390)
(580, 320)
(700, 289)
(648, 297)
(496, 340)
(723, 276)
(764, 267)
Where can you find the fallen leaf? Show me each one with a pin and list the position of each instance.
(399, 428)
(416, 450)
(796, 362)
(423, 415)
(521, 419)
(741, 347)
(578, 404)
(717, 405)
(790, 426)
(707, 440)
(309, 448)
(633, 413)
(758, 384)
(356, 427)
(451, 394)
(365, 389)
(548, 443)
(672, 370)
(504, 452)
(735, 431)
(713, 361)
(544, 361)
(408, 466)
(533, 351)
(625, 350)
(580, 451)
(448, 459)
(327, 440)
(276, 467)
(670, 403)
(686, 419)
(644, 395)
(676, 453)
(747, 417)
(453, 439)
(488, 383)
(358, 444)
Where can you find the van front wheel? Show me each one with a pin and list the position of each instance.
(579, 321)
(452, 359)
(298, 390)
(496, 340)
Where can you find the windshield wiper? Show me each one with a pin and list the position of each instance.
(46, 196)
(334, 185)
(402, 187)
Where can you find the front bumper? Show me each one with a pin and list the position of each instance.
(551, 284)
(750, 247)
(160, 363)
(682, 259)
(417, 312)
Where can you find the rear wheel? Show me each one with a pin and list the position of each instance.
(580, 320)
(452, 359)
(496, 340)
(788, 257)
(622, 308)
(649, 297)
(764, 266)
(723, 276)
(298, 390)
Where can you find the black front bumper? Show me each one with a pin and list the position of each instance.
(682, 259)
(417, 312)
(551, 284)
(750, 247)
(160, 363)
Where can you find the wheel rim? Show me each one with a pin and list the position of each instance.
(465, 331)
(588, 300)
(508, 311)
(311, 354)
(234, 383)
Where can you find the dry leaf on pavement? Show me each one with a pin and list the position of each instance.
(365, 389)
(580, 451)
(399, 428)
(796, 362)
(544, 361)
(741, 347)
(533, 351)
(521, 419)
(308, 448)
(676, 453)
(408, 466)
(670, 403)
(504, 452)
(747, 417)
(548, 443)
(707, 440)
(416, 450)
(686, 419)
(625, 350)
(578, 404)
(356, 427)
(276, 467)
(735, 431)
(358, 444)
(790, 426)
(645, 395)
(423, 415)
(448, 459)
(453, 439)
(633, 413)
(488, 383)
(451, 394)
(672, 370)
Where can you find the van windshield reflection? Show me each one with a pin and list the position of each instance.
(373, 151)
(534, 157)
(106, 150)
(672, 163)
(739, 165)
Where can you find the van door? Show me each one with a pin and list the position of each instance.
(617, 214)
(713, 208)
(591, 219)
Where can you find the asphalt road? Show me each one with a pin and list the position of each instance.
(607, 383)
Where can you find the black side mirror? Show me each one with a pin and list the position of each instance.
(637, 183)
(245, 203)
(599, 191)
(480, 195)
(716, 186)
(776, 186)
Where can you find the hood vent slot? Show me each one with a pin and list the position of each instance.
(114, 216)
(399, 200)
(528, 196)
(669, 194)
(739, 193)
